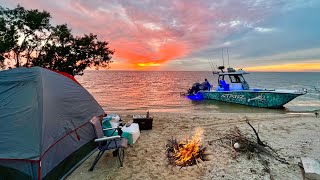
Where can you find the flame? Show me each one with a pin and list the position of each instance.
(188, 149)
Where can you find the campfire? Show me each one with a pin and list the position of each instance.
(188, 152)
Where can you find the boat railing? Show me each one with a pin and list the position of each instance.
(301, 91)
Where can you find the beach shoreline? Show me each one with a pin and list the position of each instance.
(294, 135)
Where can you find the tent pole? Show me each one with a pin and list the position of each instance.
(39, 169)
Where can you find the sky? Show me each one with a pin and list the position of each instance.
(189, 35)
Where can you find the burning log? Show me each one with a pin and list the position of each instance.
(186, 153)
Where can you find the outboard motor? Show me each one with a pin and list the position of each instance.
(195, 88)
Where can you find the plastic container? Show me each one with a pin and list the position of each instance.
(131, 133)
(144, 122)
(111, 121)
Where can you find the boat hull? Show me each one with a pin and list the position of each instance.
(262, 99)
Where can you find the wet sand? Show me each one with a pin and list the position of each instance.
(294, 135)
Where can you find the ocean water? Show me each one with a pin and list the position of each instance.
(141, 91)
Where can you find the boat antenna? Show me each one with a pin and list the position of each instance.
(222, 57)
(228, 57)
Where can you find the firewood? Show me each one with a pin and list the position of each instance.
(250, 146)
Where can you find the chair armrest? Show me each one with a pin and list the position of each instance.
(107, 138)
(108, 129)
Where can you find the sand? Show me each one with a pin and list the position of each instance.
(294, 135)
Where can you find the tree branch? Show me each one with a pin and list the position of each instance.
(255, 132)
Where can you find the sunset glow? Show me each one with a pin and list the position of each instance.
(301, 67)
(166, 35)
(148, 64)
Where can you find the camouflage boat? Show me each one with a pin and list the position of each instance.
(233, 88)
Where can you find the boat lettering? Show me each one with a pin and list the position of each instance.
(233, 97)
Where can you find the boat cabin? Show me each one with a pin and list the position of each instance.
(232, 80)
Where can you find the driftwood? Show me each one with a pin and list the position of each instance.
(240, 143)
(268, 150)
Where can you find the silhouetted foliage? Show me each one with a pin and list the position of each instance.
(28, 39)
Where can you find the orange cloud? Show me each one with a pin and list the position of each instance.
(298, 67)
(147, 34)
(142, 57)
(144, 40)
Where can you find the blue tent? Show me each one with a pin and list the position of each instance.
(45, 129)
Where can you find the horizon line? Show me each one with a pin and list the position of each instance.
(194, 71)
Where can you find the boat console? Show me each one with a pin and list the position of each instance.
(232, 80)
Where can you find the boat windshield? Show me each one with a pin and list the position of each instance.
(233, 78)
(236, 78)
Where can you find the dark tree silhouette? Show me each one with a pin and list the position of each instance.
(28, 39)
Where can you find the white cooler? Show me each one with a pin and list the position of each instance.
(131, 133)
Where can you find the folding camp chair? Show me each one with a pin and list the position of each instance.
(116, 143)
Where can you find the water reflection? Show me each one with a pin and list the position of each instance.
(118, 91)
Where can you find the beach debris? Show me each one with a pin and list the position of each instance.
(236, 145)
(310, 168)
(244, 143)
(241, 143)
(186, 153)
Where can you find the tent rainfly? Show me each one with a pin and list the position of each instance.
(45, 129)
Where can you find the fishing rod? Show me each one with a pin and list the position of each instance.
(211, 65)
(214, 68)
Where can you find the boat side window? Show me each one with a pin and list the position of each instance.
(242, 79)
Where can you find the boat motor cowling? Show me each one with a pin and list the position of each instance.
(195, 88)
